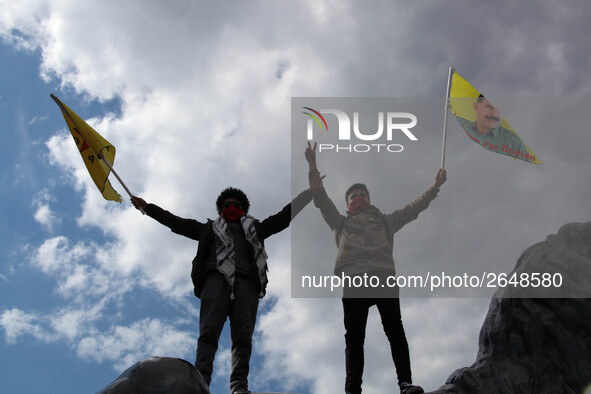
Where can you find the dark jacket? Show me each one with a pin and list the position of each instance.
(203, 232)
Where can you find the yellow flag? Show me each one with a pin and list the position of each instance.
(91, 144)
(484, 124)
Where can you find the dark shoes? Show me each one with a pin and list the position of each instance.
(407, 388)
(241, 391)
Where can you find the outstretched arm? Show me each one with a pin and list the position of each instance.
(188, 227)
(280, 221)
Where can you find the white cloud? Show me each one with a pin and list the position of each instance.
(126, 345)
(303, 341)
(84, 278)
(55, 256)
(37, 119)
(71, 323)
(206, 92)
(91, 285)
(121, 345)
(45, 217)
(22, 27)
(222, 364)
(43, 213)
(17, 323)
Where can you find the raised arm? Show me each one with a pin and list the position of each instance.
(329, 211)
(190, 228)
(411, 211)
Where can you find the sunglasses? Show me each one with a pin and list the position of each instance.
(226, 204)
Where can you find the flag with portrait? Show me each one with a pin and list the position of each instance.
(483, 122)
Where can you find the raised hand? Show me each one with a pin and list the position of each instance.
(311, 156)
(440, 177)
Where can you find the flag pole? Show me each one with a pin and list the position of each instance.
(451, 71)
(100, 154)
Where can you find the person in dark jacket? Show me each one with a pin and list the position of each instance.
(229, 273)
(365, 241)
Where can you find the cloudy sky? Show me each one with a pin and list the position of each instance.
(196, 96)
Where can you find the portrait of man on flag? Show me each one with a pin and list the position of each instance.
(483, 122)
(486, 128)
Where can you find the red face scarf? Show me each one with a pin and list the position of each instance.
(359, 204)
(232, 213)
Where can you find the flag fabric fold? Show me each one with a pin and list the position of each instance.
(91, 146)
(484, 124)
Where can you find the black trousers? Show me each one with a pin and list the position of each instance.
(356, 311)
(216, 306)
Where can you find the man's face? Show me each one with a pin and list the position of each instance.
(357, 193)
(487, 116)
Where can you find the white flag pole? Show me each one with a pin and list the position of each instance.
(451, 71)
(100, 156)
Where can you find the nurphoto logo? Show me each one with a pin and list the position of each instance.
(396, 123)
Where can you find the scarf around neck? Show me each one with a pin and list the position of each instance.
(226, 253)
